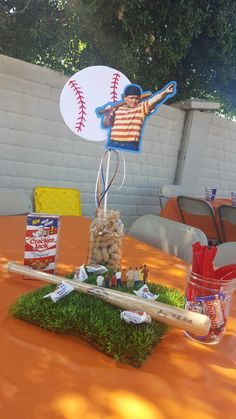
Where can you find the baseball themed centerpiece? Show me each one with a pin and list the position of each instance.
(100, 103)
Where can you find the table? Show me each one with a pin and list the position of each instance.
(49, 376)
(171, 211)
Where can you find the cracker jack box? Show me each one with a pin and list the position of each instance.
(41, 241)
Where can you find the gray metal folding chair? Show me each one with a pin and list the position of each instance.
(169, 191)
(226, 254)
(13, 202)
(227, 217)
(167, 235)
(200, 214)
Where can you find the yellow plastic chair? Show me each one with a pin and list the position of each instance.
(61, 201)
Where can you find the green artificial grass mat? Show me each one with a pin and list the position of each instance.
(96, 321)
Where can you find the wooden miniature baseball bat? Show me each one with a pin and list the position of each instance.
(141, 97)
(190, 321)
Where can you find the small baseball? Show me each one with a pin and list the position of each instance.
(86, 91)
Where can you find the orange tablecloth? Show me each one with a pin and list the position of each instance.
(171, 211)
(49, 376)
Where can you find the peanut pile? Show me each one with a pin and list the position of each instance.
(106, 240)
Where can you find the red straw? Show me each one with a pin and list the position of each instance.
(200, 258)
(195, 265)
(208, 269)
(221, 272)
(203, 257)
(229, 276)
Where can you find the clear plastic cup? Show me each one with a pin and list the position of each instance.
(233, 198)
(210, 193)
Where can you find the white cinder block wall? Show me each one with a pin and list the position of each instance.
(219, 161)
(38, 149)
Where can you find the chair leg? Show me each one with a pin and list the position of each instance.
(213, 242)
(161, 204)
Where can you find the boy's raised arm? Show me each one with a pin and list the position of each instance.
(160, 96)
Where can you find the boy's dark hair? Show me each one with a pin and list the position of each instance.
(132, 89)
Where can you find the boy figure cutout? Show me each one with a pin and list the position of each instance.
(126, 119)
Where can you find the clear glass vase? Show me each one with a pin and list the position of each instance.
(211, 297)
(106, 238)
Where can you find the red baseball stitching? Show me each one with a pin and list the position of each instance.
(114, 87)
(80, 124)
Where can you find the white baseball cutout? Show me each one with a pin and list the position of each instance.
(86, 91)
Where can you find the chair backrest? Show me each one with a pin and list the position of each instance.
(61, 201)
(200, 214)
(13, 202)
(169, 191)
(227, 216)
(226, 254)
(167, 235)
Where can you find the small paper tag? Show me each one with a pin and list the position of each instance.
(80, 274)
(145, 293)
(135, 317)
(61, 291)
(96, 269)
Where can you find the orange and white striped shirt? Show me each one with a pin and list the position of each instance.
(128, 122)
